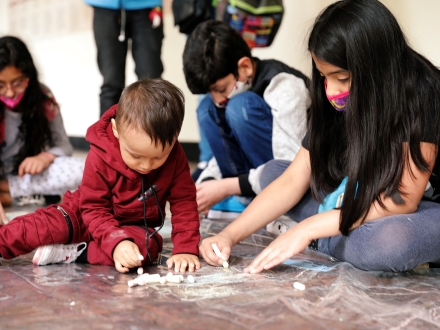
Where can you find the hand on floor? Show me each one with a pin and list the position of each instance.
(183, 261)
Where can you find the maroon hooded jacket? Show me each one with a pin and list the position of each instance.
(108, 195)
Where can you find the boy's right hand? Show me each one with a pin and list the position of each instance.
(223, 242)
(126, 256)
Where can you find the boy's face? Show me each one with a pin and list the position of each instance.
(224, 86)
(139, 152)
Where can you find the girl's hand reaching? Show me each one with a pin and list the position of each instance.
(183, 261)
(34, 165)
(283, 247)
(224, 244)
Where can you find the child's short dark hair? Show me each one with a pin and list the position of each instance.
(212, 52)
(155, 106)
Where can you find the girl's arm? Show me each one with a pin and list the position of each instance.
(271, 203)
(326, 224)
(413, 185)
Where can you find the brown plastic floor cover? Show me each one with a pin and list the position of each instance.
(336, 295)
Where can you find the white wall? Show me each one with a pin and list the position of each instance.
(59, 35)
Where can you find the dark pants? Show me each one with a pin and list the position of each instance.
(146, 44)
(49, 226)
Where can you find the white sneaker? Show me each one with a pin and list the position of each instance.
(281, 225)
(30, 200)
(57, 253)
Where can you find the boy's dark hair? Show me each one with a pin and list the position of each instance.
(34, 129)
(394, 98)
(155, 106)
(212, 52)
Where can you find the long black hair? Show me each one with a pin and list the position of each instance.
(34, 129)
(394, 98)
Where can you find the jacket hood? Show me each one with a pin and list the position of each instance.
(106, 146)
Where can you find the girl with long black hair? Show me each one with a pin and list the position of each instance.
(364, 186)
(33, 142)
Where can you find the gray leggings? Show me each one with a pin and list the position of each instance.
(394, 243)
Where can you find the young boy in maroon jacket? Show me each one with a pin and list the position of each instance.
(135, 164)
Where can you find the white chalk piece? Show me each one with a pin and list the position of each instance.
(191, 279)
(299, 286)
(154, 278)
(170, 274)
(216, 250)
(140, 257)
(140, 280)
(140, 270)
(219, 254)
(131, 283)
(174, 278)
(163, 280)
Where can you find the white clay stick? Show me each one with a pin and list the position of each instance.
(299, 286)
(140, 270)
(191, 279)
(154, 278)
(174, 279)
(219, 254)
(131, 283)
(140, 257)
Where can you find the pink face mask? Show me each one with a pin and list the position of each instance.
(12, 102)
(339, 101)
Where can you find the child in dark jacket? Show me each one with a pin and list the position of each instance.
(135, 164)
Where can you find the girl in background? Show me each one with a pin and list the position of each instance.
(364, 185)
(34, 147)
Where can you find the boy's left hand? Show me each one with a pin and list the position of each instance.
(183, 261)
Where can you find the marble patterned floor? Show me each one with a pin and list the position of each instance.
(336, 295)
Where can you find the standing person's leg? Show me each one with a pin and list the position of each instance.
(112, 55)
(240, 136)
(146, 43)
(395, 243)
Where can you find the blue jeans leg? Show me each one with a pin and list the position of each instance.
(395, 243)
(204, 148)
(240, 136)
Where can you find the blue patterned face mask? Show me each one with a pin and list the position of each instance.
(339, 101)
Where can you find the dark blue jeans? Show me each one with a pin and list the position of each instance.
(240, 135)
(394, 243)
(146, 44)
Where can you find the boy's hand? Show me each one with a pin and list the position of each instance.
(126, 256)
(224, 244)
(33, 165)
(183, 261)
(209, 193)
